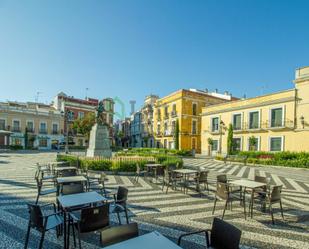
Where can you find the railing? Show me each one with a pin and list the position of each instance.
(55, 132)
(30, 130)
(16, 129)
(166, 116)
(174, 114)
(43, 131)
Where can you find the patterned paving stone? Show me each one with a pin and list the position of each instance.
(171, 214)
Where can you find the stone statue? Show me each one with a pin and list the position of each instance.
(100, 114)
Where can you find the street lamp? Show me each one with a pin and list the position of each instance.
(302, 121)
(222, 127)
(68, 115)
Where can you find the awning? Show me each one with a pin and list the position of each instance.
(5, 132)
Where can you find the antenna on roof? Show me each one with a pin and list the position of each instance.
(87, 92)
(37, 96)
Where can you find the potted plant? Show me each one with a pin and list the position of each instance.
(210, 144)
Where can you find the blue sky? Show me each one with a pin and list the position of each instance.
(130, 49)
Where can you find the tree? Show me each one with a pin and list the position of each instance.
(83, 126)
(252, 143)
(230, 140)
(210, 144)
(177, 135)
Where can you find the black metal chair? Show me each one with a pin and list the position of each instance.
(120, 203)
(222, 235)
(97, 182)
(118, 234)
(88, 220)
(223, 179)
(168, 180)
(67, 172)
(202, 178)
(41, 191)
(139, 172)
(223, 193)
(72, 188)
(272, 196)
(43, 223)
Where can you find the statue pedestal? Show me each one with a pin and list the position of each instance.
(99, 143)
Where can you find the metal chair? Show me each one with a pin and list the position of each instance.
(43, 223)
(118, 234)
(169, 179)
(222, 235)
(223, 193)
(271, 197)
(97, 183)
(202, 178)
(139, 172)
(88, 220)
(67, 172)
(120, 203)
(39, 183)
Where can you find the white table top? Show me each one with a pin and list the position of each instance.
(65, 168)
(153, 240)
(248, 183)
(185, 171)
(68, 179)
(68, 201)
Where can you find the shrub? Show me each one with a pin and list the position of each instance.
(16, 147)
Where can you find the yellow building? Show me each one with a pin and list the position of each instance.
(31, 125)
(273, 122)
(186, 107)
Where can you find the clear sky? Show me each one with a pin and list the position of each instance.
(132, 48)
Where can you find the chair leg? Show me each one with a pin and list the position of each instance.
(27, 236)
(167, 187)
(271, 213)
(74, 237)
(42, 240)
(213, 210)
(119, 218)
(126, 213)
(37, 199)
(224, 209)
(79, 240)
(281, 210)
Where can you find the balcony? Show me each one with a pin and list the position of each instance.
(169, 133)
(55, 132)
(166, 116)
(159, 134)
(16, 129)
(43, 131)
(173, 114)
(286, 124)
(30, 130)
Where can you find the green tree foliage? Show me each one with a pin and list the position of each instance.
(83, 126)
(177, 135)
(230, 140)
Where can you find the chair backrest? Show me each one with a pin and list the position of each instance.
(261, 179)
(160, 170)
(222, 178)
(275, 194)
(222, 190)
(39, 180)
(224, 235)
(122, 195)
(138, 169)
(118, 234)
(167, 175)
(102, 178)
(202, 176)
(72, 188)
(70, 172)
(36, 216)
(94, 218)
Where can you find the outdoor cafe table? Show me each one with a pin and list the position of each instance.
(185, 173)
(70, 179)
(65, 168)
(153, 240)
(68, 202)
(248, 184)
(153, 167)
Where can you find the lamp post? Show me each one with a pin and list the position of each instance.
(222, 126)
(302, 121)
(67, 116)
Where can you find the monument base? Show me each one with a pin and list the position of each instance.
(99, 143)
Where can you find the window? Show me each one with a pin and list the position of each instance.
(254, 120)
(276, 117)
(165, 143)
(237, 121)
(166, 111)
(43, 128)
(236, 144)
(174, 110)
(16, 141)
(55, 128)
(159, 114)
(165, 127)
(159, 129)
(81, 115)
(215, 124)
(194, 109)
(42, 142)
(173, 126)
(30, 126)
(2, 124)
(193, 143)
(214, 146)
(276, 144)
(194, 130)
(16, 126)
(80, 142)
(253, 143)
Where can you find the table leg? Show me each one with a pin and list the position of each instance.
(252, 197)
(65, 230)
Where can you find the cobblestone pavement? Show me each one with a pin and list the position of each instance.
(171, 214)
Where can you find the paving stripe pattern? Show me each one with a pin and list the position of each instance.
(171, 214)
